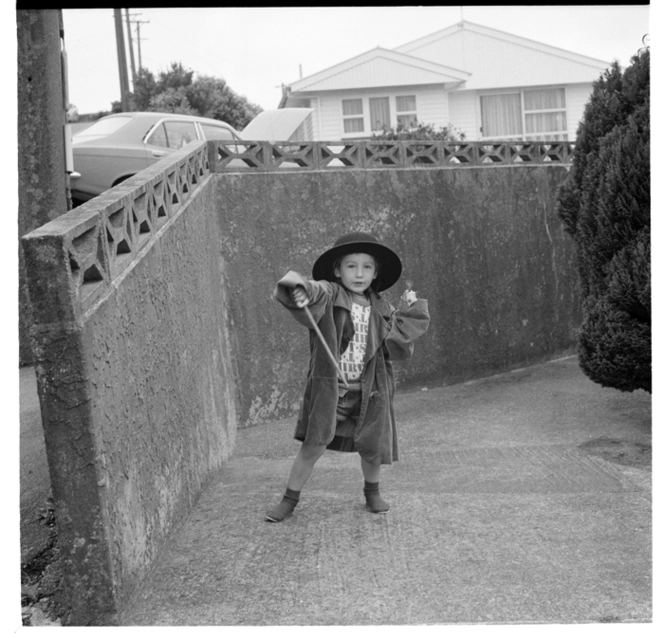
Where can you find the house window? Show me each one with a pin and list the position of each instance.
(353, 115)
(379, 113)
(528, 115)
(406, 111)
(501, 115)
(545, 114)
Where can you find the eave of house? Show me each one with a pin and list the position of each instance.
(380, 68)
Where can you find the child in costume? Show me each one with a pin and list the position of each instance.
(365, 333)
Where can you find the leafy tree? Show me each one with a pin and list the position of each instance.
(178, 91)
(605, 206)
(212, 97)
(171, 101)
(176, 77)
(145, 86)
(421, 132)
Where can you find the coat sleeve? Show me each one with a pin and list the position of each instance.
(319, 292)
(407, 325)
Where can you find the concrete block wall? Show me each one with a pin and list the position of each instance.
(155, 333)
(135, 375)
(484, 245)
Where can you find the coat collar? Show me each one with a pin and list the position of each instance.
(345, 300)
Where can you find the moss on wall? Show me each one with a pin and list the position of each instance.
(484, 245)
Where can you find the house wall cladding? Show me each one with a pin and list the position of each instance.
(484, 246)
(432, 108)
(466, 113)
(577, 97)
(438, 108)
(494, 63)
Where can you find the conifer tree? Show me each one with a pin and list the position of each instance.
(605, 205)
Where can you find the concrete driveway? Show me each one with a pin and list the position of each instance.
(521, 498)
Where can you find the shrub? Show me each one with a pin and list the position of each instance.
(421, 132)
(605, 205)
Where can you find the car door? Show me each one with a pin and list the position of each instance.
(169, 136)
(217, 132)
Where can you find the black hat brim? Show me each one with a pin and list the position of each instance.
(389, 269)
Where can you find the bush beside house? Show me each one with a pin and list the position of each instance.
(605, 206)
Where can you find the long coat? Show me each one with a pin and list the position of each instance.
(390, 338)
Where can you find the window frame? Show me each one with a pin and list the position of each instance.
(353, 116)
(220, 127)
(364, 99)
(164, 124)
(405, 113)
(559, 135)
(375, 99)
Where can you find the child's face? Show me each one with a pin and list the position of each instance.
(356, 271)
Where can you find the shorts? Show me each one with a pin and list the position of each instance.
(350, 400)
(348, 410)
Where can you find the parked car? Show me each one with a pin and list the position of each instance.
(118, 146)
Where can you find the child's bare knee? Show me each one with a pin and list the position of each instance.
(312, 452)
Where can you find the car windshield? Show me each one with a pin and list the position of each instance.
(102, 128)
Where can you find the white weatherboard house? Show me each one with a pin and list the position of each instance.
(488, 84)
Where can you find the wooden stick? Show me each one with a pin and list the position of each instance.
(327, 348)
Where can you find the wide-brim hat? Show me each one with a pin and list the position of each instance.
(389, 264)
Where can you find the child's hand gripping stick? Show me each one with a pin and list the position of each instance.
(302, 301)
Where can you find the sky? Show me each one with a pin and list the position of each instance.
(256, 50)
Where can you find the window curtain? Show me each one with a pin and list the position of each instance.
(545, 99)
(406, 103)
(379, 113)
(545, 122)
(350, 108)
(406, 111)
(501, 115)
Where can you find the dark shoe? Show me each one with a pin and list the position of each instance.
(375, 504)
(281, 511)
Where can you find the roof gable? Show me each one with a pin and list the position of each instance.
(498, 59)
(380, 68)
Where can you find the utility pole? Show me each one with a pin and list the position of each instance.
(122, 60)
(138, 24)
(131, 51)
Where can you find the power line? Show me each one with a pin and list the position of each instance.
(138, 24)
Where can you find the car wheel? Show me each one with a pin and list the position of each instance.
(121, 179)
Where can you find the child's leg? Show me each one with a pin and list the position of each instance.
(300, 472)
(371, 474)
(303, 465)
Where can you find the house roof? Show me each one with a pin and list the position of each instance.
(463, 56)
(379, 68)
(499, 59)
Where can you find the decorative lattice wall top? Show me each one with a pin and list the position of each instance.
(263, 156)
(73, 260)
